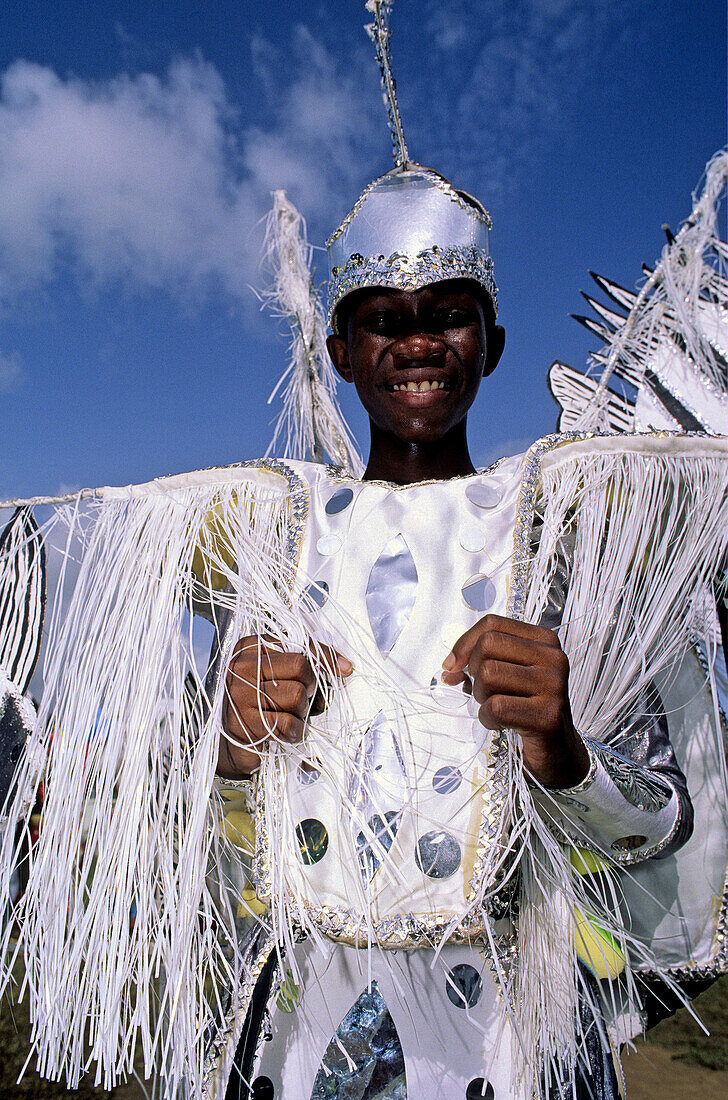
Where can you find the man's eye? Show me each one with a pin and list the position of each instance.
(383, 323)
(452, 318)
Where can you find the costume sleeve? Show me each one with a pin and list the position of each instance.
(634, 802)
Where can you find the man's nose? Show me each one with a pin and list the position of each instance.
(417, 347)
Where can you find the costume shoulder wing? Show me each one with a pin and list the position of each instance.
(22, 597)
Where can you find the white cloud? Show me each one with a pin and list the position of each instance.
(157, 181)
(10, 367)
(518, 68)
(150, 180)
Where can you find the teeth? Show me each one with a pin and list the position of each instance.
(420, 387)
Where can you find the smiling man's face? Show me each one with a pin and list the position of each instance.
(417, 357)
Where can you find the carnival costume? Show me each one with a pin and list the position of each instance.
(394, 904)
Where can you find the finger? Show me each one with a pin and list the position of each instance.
(291, 696)
(461, 652)
(256, 664)
(251, 658)
(249, 715)
(253, 726)
(329, 658)
(517, 628)
(282, 726)
(499, 646)
(503, 678)
(534, 716)
(489, 648)
(273, 695)
(256, 644)
(274, 663)
(453, 677)
(240, 723)
(509, 712)
(324, 656)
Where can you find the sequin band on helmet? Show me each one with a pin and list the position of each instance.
(402, 272)
(408, 229)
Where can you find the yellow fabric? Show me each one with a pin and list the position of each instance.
(213, 544)
(238, 829)
(249, 903)
(596, 948)
(586, 862)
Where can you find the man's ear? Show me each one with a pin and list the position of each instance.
(338, 349)
(495, 342)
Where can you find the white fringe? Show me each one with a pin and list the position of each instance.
(636, 517)
(619, 629)
(310, 422)
(127, 819)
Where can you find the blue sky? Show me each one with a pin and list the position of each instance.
(139, 144)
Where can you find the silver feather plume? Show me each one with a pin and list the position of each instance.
(665, 344)
(310, 422)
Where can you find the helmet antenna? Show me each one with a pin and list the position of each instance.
(379, 33)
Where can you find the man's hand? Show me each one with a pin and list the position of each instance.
(268, 693)
(520, 677)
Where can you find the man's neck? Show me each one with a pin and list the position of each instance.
(401, 462)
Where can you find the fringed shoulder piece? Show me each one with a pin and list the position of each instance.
(648, 519)
(123, 937)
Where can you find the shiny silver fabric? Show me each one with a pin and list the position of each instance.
(377, 792)
(391, 590)
(595, 1077)
(637, 784)
(410, 228)
(642, 737)
(364, 1060)
(438, 854)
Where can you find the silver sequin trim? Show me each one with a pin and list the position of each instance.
(402, 272)
(223, 1039)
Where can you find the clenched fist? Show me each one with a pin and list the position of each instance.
(268, 693)
(520, 677)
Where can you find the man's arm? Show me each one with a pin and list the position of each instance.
(627, 797)
(520, 676)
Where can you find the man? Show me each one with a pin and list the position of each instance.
(417, 358)
(434, 840)
(435, 857)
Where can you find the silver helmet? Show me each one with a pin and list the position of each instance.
(410, 227)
